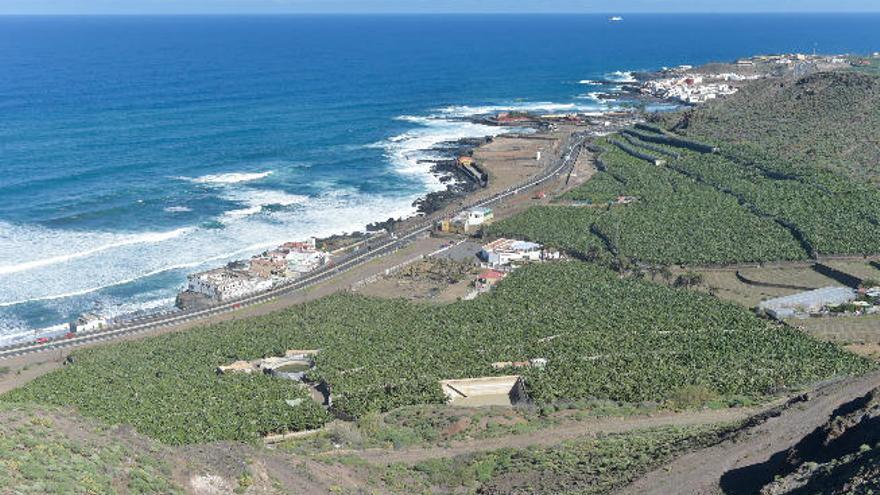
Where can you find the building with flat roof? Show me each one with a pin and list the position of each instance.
(506, 251)
(468, 221)
(804, 303)
(224, 284)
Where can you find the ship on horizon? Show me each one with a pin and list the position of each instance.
(615, 18)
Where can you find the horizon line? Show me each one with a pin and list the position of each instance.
(406, 13)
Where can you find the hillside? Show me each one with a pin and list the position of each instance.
(829, 120)
(50, 450)
(842, 456)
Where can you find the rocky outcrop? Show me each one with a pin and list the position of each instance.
(842, 456)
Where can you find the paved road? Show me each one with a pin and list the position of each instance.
(381, 247)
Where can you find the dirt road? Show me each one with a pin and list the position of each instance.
(703, 472)
(554, 435)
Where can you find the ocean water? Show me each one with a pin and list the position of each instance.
(135, 150)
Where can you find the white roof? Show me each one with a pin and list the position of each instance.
(511, 245)
(819, 297)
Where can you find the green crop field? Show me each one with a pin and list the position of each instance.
(605, 338)
(736, 205)
(674, 220)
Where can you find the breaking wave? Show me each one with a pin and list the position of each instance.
(410, 153)
(537, 107)
(177, 209)
(37, 236)
(229, 178)
(622, 77)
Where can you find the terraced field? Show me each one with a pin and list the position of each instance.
(727, 207)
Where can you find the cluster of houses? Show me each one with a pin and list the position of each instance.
(827, 301)
(239, 279)
(791, 59)
(693, 89)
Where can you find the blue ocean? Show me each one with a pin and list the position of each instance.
(135, 150)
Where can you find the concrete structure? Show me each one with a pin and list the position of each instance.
(805, 303)
(303, 360)
(239, 367)
(487, 391)
(539, 363)
(224, 284)
(479, 216)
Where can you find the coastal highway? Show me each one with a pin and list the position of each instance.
(571, 150)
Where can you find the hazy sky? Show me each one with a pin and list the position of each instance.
(425, 6)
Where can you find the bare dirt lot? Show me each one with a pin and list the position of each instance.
(432, 279)
(844, 329)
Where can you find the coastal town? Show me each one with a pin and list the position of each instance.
(276, 268)
(237, 279)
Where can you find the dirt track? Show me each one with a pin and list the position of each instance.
(554, 435)
(703, 471)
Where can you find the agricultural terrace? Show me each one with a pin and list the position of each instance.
(604, 337)
(732, 206)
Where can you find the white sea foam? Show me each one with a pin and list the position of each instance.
(81, 277)
(588, 81)
(177, 209)
(14, 235)
(407, 150)
(256, 199)
(229, 178)
(535, 107)
(595, 96)
(621, 76)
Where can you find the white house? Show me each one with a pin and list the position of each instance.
(505, 251)
(303, 257)
(88, 322)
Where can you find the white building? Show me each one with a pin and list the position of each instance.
(506, 251)
(467, 222)
(303, 257)
(88, 322)
(805, 303)
(224, 284)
